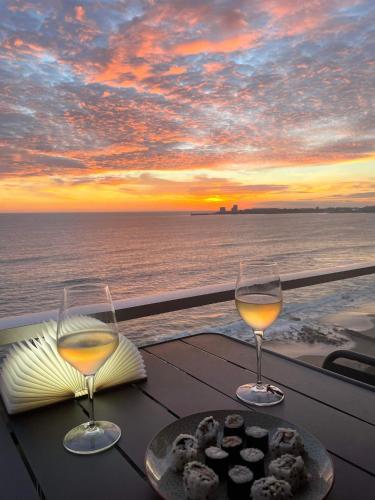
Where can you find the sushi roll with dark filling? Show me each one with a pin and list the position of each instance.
(232, 445)
(254, 459)
(234, 425)
(217, 460)
(286, 441)
(240, 479)
(289, 468)
(184, 450)
(207, 432)
(269, 487)
(257, 437)
(200, 482)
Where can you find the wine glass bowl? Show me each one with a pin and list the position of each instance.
(258, 298)
(87, 335)
(89, 344)
(258, 310)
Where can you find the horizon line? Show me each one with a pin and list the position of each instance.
(14, 212)
(97, 212)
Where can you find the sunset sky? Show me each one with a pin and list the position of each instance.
(186, 105)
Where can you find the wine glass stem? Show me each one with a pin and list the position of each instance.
(90, 391)
(258, 341)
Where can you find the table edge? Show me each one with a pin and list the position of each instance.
(338, 376)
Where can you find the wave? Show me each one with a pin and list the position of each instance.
(77, 281)
(23, 260)
(308, 320)
(313, 320)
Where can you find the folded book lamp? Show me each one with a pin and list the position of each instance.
(34, 374)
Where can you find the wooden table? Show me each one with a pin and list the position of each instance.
(185, 376)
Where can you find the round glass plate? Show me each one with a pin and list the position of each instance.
(168, 483)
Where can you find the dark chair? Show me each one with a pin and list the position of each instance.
(367, 375)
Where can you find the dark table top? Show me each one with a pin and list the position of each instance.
(199, 373)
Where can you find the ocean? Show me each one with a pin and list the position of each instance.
(140, 254)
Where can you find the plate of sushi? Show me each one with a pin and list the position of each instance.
(221, 455)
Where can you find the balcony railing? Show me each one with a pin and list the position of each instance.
(26, 326)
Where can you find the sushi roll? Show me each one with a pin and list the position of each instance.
(257, 437)
(217, 460)
(232, 445)
(254, 459)
(286, 441)
(270, 488)
(200, 482)
(184, 450)
(207, 432)
(289, 468)
(234, 425)
(240, 479)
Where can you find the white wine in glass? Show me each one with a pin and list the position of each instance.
(87, 336)
(258, 299)
(87, 350)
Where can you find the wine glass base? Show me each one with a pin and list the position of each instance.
(86, 440)
(260, 395)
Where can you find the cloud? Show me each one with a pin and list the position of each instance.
(369, 194)
(175, 85)
(79, 13)
(364, 195)
(199, 185)
(200, 46)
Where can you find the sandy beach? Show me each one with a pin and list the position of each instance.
(356, 328)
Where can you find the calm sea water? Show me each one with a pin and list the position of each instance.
(139, 254)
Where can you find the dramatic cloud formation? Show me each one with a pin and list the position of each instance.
(178, 104)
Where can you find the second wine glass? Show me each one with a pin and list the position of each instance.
(259, 301)
(87, 336)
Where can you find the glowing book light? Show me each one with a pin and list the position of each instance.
(33, 373)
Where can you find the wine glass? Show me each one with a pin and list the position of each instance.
(259, 300)
(87, 335)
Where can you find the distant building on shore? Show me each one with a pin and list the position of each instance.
(224, 211)
(275, 210)
(302, 210)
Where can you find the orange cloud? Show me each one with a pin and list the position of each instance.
(24, 47)
(239, 42)
(79, 13)
(111, 150)
(291, 18)
(213, 67)
(175, 70)
(116, 149)
(118, 72)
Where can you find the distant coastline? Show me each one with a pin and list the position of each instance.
(309, 210)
